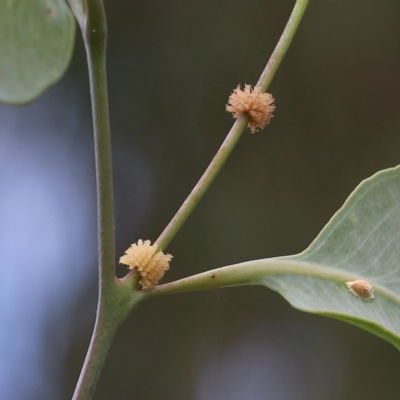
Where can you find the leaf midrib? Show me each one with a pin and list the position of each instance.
(285, 266)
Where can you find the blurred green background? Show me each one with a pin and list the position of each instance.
(172, 66)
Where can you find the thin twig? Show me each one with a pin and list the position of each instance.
(94, 30)
(238, 127)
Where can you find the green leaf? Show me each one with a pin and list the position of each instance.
(360, 242)
(36, 43)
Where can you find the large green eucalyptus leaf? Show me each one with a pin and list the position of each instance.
(360, 242)
(36, 43)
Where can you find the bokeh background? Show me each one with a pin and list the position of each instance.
(172, 66)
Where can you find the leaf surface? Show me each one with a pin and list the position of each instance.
(36, 43)
(361, 241)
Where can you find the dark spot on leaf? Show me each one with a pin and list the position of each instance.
(49, 11)
(213, 276)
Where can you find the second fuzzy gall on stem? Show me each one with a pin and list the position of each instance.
(150, 262)
(257, 105)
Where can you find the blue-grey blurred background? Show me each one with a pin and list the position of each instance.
(172, 66)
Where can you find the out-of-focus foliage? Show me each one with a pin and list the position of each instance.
(36, 43)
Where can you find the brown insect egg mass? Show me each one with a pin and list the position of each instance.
(361, 289)
(258, 106)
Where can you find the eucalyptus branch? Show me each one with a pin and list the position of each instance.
(283, 44)
(238, 127)
(95, 36)
(94, 31)
(118, 297)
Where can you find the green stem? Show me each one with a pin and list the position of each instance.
(115, 303)
(246, 273)
(94, 30)
(203, 184)
(237, 129)
(100, 343)
(95, 37)
(283, 44)
(250, 273)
